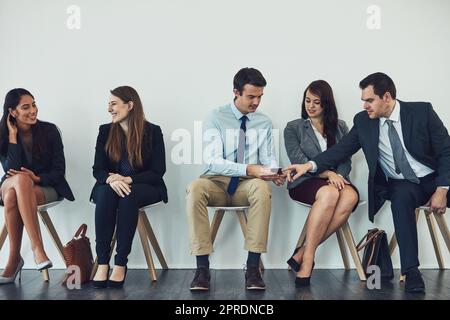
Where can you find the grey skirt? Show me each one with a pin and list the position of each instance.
(50, 194)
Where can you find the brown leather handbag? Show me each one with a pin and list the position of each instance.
(77, 252)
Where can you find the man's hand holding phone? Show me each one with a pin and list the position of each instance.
(275, 175)
(279, 176)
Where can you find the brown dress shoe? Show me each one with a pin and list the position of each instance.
(201, 280)
(253, 279)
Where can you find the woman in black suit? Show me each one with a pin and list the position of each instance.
(31, 153)
(129, 166)
(331, 196)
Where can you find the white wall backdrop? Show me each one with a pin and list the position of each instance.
(181, 56)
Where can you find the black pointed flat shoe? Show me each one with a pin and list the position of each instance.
(117, 284)
(100, 284)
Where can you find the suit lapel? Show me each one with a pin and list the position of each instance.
(374, 140)
(312, 135)
(406, 120)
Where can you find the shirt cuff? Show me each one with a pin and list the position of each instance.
(242, 169)
(314, 167)
(443, 187)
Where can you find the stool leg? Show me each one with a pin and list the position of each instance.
(434, 238)
(302, 237)
(392, 244)
(393, 241)
(53, 234)
(151, 236)
(217, 219)
(45, 273)
(353, 251)
(94, 268)
(339, 236)
(242, 216)
(112, 246)
(3, 234)
(443, 227)
(146, 247)
(403, 277)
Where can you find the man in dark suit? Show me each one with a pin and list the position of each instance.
(407, 149)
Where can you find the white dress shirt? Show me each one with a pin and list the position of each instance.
(322, 140)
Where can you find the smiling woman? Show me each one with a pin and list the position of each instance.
(31, 153)
(129, 166)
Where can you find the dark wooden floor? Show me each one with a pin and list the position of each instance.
(334, 284)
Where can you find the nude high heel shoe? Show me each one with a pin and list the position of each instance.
(5, 280)
(44, 265)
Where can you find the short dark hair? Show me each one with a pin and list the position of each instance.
(248, 76)
(381, 83)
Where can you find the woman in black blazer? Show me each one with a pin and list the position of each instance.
(31, 153)
(129, 166)
(331, 196)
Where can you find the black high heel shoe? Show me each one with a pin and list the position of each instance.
(304, 282)
(117, 284)
(292, 263)
(100, 284)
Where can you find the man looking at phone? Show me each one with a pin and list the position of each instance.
(239, 159)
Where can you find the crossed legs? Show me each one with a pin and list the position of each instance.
(21, 198)
(329, 212)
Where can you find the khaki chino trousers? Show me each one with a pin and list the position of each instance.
(212, 191)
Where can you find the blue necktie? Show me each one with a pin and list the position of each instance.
(234, 181)
(125, 168)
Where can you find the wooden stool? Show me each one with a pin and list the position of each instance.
(432, 228)
(341, 233)
(146, 234)
(42, 212)
(241, 213)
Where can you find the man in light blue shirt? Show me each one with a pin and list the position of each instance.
(239, 159)
(221, 138)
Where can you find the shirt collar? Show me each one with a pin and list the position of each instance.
(395, 115)
(238, 114)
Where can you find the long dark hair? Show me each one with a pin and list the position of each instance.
(136, 137)
(323, 90)
(12, 100)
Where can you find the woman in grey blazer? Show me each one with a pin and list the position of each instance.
(330, 194)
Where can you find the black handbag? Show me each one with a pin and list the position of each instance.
(376, 252)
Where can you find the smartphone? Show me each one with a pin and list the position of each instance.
(276, 170)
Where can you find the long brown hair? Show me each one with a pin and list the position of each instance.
(132, 142)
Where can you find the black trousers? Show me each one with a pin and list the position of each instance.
(111, 209)
(405, 197)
